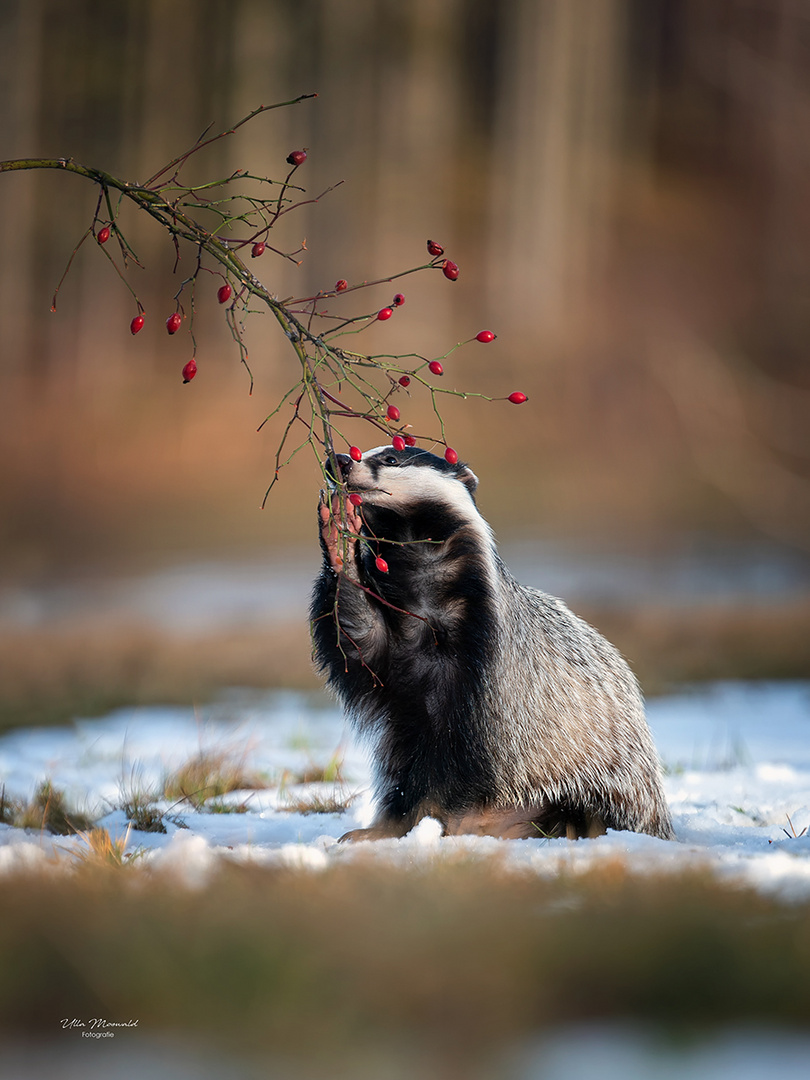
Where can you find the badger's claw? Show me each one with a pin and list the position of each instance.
(339, 524)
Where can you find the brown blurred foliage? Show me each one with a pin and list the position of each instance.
(623, 183)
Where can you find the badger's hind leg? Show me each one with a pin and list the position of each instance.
(526, 823)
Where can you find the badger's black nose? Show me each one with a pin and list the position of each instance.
(344, 463)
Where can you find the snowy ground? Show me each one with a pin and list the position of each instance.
(738, 765)
(737, 758)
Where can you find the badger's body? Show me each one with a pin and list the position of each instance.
(490, 706)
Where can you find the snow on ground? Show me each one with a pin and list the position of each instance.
(738, 780)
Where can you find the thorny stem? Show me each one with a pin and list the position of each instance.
(199, 144)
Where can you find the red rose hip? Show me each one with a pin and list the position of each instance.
(103, 235)
(393, 413)
(398, 300)
(451, 456)
(385, 313)
(174, 322)
(257, 249)
(224, 293)
(435, 367)
(410, 440)
(297, 157)
(405, 380)
(434, 249)
(485, 336)
(189, 370)
(355, 499)
(136, 325)
(355, 453)
(341, 285)
(381, 564)
(450, 270)
(398, 442)
(517, 398)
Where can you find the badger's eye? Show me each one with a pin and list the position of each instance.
(389, 459)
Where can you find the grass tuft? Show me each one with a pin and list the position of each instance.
(219, 806)
(793, 835)
(209, 775)
(313, 802)
(139, 802)
(102, 850)
(47, 811)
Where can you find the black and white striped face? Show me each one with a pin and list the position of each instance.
(399, 479)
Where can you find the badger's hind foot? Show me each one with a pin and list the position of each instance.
(506, 823)
(388, 831)
(526, 823)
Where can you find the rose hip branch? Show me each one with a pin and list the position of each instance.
(217, 223)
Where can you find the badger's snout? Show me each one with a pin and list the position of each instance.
(344, 464)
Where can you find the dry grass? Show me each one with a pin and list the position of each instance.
(50, 676)
(670, 646)
(101, 850)
(317, 802)
(313, 773)
(330, 797)
(455, 960)
(47, 811)
(141, 810)
(209, 775)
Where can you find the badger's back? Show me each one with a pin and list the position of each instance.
(572, 723)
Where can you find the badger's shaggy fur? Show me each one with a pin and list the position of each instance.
(491, 706)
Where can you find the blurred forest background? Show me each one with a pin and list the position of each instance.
(624, 184)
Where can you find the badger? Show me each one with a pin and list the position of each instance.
(489, 705)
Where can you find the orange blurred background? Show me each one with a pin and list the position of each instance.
(622, 182)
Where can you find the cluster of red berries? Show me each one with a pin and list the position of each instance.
(449, 268)
(225, 292)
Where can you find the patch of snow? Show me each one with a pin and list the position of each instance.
(738, 782)
(628, 1053)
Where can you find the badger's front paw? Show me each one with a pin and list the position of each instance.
(340, 523)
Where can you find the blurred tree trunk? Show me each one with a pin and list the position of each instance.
(555, 150)
(20, 55)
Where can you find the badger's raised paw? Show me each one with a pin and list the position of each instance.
(339, 522)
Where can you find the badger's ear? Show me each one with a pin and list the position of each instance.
(468, 477)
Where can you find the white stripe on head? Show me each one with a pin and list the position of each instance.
(401, 487)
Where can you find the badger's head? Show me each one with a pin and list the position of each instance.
(399, 480)
(412, 495)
